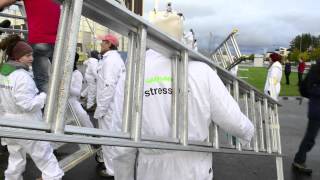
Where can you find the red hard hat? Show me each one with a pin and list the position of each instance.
(111, 38)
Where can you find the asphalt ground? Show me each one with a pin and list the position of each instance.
(293, 122)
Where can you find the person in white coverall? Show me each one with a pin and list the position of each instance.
(90, 76)
(75, 89)
(110, 68)
(208, 101)
(189, 38)
(272, 86)
(19, 99)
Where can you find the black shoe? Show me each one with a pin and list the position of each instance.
(92, 108)
(301, 168)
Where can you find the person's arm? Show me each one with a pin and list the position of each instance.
(6, 3)
(76, 84)
(25, 95)
(225, 111)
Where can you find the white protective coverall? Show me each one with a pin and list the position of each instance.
(189, 39)
(75, 89)
(90, 76)
(19, 99)
(272, 86)
(208, 101)
(110, 69)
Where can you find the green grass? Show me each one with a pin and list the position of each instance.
(257, 76)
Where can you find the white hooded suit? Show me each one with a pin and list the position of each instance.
(272, 86)
(208, 101)
(19, 99)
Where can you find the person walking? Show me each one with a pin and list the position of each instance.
(312, 82)
(75, 89)
(90, 76)
(301, 68)
(287, 71)
(19, 99)
(272, 86)
(42, 20)
(110, 68)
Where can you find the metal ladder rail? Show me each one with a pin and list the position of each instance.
(155, 145)
(227, 62)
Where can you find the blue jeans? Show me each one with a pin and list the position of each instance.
(42, 53)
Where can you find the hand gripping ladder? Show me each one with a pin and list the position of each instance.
(261, 109)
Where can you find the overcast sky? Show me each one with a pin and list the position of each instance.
(262, 24)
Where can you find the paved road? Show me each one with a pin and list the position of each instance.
(233, 167)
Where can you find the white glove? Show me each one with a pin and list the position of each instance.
(42, 97)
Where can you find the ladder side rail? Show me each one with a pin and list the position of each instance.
(246, 110)
(260, 127)
(235, 45)
(174, 97)
(138, 89)
(230, 137)
(236, 97)
(69, 53)
(278, 129)
(267, 125)
(225, 40)
(274, 130)
(129, 83)
(58, 62)
(183, 97)
(227, 48)
(222, 60)
(80, 139)
(255, 139)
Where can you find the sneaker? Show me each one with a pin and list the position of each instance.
(302, 168)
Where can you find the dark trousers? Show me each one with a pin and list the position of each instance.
(287, 77)
(299, 77)
(308, 140)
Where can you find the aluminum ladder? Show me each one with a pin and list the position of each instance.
(261, 109)
(227, 54)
